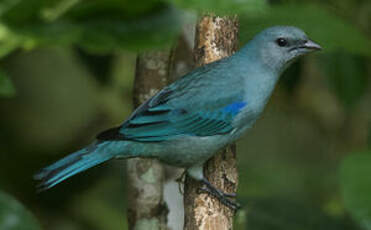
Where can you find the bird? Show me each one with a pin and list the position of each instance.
(188, 121)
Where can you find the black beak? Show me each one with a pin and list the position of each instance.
(311, 45)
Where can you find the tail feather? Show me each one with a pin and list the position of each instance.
(77, 162)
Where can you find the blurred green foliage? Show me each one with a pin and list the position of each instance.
(322, 25)
(97, 26)
(356, 186)
(223, 6)
(339, 66)
(280, 214)
(66, 73)
(6, 86)
(14, 216)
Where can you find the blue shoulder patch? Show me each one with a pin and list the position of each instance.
(234, 108)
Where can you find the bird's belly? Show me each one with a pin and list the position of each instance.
(189, 151)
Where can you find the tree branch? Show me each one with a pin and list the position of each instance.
(147, 209)
(216, 37)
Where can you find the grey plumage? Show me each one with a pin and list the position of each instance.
(188, 121)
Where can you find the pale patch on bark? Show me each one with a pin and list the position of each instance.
(147, 224)
(216, 38)
(144, 97)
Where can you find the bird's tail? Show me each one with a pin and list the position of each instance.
(76, 162)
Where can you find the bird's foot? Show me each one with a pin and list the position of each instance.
(220, 195)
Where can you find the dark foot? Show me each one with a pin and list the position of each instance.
(220, 195)
(212, 187)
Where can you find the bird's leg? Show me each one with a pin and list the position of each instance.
(180, 182)
(220, 195)
(197, 173)
(181, 179)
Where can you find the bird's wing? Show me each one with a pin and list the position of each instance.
(188, 107)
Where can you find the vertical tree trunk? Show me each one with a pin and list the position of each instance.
(147, 210)
(182, 62)
(216, 37)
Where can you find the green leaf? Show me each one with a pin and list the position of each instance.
(25, 11)
(322, 25)
(223, 6)
(14, 216)
(6, 86)
(355, 184)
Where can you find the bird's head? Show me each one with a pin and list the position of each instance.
(278, 46)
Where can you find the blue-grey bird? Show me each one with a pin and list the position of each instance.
(187, 122)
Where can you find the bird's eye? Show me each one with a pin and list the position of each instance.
(282, 42)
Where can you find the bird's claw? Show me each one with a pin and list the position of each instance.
(221, 196)
(220, 192)
(230, 195)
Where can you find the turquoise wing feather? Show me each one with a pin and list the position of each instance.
(184, 108)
